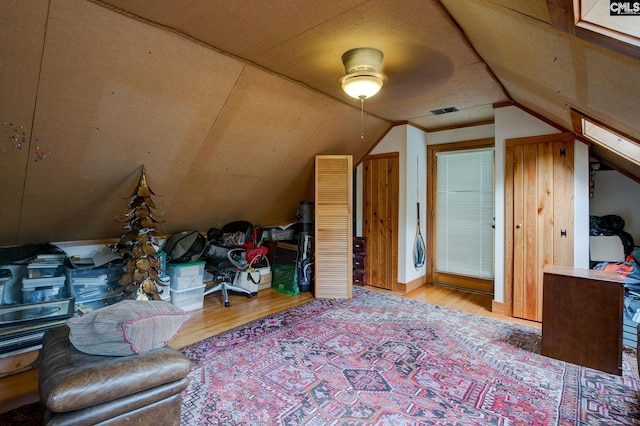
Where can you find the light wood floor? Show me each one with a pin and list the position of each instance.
(214, 318)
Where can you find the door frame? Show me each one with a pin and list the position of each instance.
(471, 283)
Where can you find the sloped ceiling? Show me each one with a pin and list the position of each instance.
(226, 103)
(549, 71)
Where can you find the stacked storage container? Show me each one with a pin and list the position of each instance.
(45, 282)
(94, 288)
(187, 288)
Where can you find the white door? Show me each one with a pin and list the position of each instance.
(464, 219)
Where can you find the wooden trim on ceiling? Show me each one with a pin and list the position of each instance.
(457, 126)
(462, 145)
(561, 14)
(542, 118)
(576, 122)
(393, 154)
(440, 129)
(627, 48)
(527, 140)
(503, 104)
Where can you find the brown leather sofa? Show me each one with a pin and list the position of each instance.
(81, 389)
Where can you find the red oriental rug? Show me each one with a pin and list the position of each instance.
(380, 359)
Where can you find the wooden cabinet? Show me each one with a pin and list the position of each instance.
(538, 217)
(359, 261)
(333, 250)
(582, 317)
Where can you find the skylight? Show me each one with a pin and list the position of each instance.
(615, 142)
(617, 19)
(612, 24)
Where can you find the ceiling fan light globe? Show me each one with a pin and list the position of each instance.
(361, 86)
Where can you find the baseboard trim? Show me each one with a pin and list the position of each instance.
(406, 288)
(498, 308)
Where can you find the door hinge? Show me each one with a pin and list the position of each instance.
(563, 233)
(563, 152)
(433, 213)
(433, 164)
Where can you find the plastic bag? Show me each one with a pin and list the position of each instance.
(285, 279)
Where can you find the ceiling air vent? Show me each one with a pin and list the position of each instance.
(444, 110)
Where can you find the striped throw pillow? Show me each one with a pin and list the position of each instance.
(127, 327)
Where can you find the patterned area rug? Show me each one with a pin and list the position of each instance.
(379, 359)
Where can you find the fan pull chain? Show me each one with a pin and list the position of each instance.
(362, 117)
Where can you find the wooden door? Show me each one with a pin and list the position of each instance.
(333, 250)
(538, 217)
(380, 218)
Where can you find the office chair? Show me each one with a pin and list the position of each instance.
(224, 274)
(230, 262)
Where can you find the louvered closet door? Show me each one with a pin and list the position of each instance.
(333, 226)
(538, 217)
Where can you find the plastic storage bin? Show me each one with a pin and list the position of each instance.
(36, 290)
(188, 299)
(87, 293)
(185, 276)
(43, 270)
(5, 277)
(164, 286)
(32, 283)
(282, 234)
(95, 276)
(106, 299)
(41, 294)
(90, 286)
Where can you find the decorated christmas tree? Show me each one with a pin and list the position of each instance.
(140, 279)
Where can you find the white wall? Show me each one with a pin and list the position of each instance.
(581, 205)
(614, 193)
(462, 134)
(416, 192)
(394, 141)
